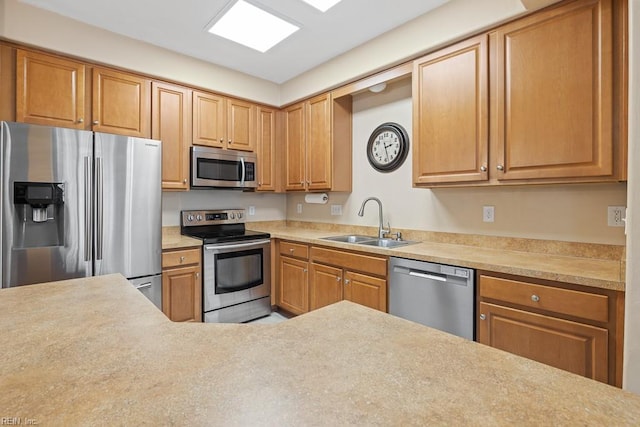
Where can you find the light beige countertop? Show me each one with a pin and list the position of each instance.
(522, 257)
(96, 352)
(172, 239)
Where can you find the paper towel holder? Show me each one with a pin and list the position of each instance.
(317, 198)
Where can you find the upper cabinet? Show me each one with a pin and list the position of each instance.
(553, 94)
(223, 122)
(450, 114)
(50, 90)
(266, 148)
(171, 123)
(318, 144)
(556, 102)
(121, 103)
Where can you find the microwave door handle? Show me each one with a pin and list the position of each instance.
(243, 171)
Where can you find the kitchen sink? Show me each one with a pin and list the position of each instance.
(351, 238)
(386, 243)
(369, 241)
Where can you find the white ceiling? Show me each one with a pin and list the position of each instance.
(180, 25)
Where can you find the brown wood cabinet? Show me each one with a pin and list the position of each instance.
(241, 119)
(293, 277)
(318, 144)
(557, 96)
(266, 149)
(553, 93)
(572, 328)
(450, 114)
(337, 275)
(182, 285)
(121, 103)
(171, 123)
(50, 90)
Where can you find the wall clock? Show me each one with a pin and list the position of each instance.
(388, 147)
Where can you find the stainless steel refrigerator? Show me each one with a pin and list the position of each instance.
(77, 204)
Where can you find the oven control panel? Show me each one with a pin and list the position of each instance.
(213, 217)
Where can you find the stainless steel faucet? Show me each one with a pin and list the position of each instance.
(381, 230)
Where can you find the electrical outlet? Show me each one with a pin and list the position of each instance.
(252, 210)
(299, 208)
(616, 216)
(336, 209)
(488, 213)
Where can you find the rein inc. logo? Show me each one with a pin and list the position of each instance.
(16, 421)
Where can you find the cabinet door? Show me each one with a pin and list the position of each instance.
(294, 285)
(318, 143)
(295, 147)
(450, 114)
(325, 285)
(209, 126)
(266, 148)
(182, 294)
(121, 103)
(554, 94)
(366, 290)
(574, 347)
(171, 123)
(49, 90)
(241, 125)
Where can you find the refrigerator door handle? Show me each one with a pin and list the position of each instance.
(243, 172)
(87, 208)
(99, 207)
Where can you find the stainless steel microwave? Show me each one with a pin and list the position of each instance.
(216, 168)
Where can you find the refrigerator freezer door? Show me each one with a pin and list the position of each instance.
(128, 209)
(45, 203)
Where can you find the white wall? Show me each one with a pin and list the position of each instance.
(631, 369)
(269, 207)
(27, 24)
(560, 212)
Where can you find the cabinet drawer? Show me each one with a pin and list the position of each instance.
(180, 258)
(352, 261)
(294, 249)
(565, 301)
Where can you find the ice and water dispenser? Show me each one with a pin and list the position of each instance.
(40, 213)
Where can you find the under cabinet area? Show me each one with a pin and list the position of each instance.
(311, 277)
(569, 327)
(182, 285)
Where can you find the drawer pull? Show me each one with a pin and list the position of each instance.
(181, 259)
(535, 298)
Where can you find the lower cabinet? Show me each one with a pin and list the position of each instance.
(313, 277)
(182, 285)
(565, 326)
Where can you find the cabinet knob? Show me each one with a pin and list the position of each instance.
(347, 281)
(230, 142)
(80, 120)
(184, 181)
(95, 122)
(221, 140)
(337, 279)
(483, 168)
(181, 259)
(500, 167)
(291, 250)
(482, 317)
(535, 298)
(197, 275)
(304, 271)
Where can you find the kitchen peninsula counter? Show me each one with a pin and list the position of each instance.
(96, 351)
(599, 266)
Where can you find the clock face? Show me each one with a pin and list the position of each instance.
(388, 146)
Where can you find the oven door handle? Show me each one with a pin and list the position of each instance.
(236, 246)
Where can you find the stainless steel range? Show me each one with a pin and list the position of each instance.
(236, 265)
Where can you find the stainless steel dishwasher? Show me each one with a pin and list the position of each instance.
(436, 295)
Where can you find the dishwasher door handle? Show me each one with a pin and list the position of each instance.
(427, 276)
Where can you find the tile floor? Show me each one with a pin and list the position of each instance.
(273, 318)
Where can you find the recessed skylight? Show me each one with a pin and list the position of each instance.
(253, 27)
(322, 5)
